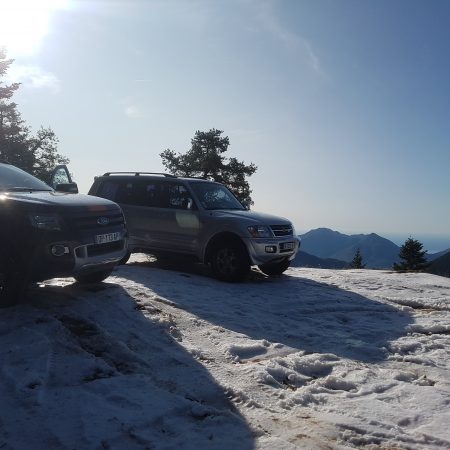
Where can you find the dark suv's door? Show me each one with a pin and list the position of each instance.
(62, 181)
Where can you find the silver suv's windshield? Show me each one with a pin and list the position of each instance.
(15, 180)
(215, 196)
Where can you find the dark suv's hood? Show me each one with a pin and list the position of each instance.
(59, 199)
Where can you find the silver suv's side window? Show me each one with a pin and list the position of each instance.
(108, 190)
(151, 193)
(179, 197)
(141, 193)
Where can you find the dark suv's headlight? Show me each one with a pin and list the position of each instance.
(49, 222)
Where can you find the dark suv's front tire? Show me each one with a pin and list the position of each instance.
(8, 292)
(93, 277)
(229, 261)
(13, 289)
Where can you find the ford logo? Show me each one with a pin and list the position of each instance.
(103, 221)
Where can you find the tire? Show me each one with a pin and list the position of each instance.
(125, 259)
(12, 289)
(274, 269)
(229, 261)
(93, 277)
(8, 295)
(13, 282)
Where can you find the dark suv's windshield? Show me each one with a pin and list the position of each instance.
(215, 196)
(15, 179)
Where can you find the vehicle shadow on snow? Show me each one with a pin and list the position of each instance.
(302, 314)
(100, 367)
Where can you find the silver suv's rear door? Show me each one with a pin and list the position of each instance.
(160, 214)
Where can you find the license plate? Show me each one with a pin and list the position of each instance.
(287, 246)
(105, 238)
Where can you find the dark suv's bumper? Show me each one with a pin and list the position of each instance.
(82, 245)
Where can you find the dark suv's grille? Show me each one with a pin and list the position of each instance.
(281, 230)
(98, 220)
(99, 249)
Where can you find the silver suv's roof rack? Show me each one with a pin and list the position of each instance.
(107, 174)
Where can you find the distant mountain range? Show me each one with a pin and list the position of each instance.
(434, 256)
(330, 249)
(304, 259)
(377, 252)
(441, 265)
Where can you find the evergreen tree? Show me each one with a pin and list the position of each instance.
(412, 256)
(206, 159)
(37, 154)
(357, 261)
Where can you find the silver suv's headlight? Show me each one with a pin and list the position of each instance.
(260, 231)
(49, 222)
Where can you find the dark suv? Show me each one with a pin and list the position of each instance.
(45, 233)
(200, 218)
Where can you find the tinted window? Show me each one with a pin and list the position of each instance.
(130, 193)
(108, 190)
(60, 177)
(179, 197)
(143, 192)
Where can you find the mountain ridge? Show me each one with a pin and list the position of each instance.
(326, 248)
(377, 252)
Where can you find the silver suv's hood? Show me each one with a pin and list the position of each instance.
(251, 216)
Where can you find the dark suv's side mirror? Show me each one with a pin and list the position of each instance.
(71, 188)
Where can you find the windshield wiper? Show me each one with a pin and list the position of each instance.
(226, 209)
(25, 189)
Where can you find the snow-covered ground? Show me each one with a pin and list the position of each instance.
(162, 359)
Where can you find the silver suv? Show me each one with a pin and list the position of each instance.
(200, 218)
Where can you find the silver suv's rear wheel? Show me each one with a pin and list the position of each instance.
(274, 269)
(229, 261)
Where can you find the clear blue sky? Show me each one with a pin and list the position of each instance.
(343, 105)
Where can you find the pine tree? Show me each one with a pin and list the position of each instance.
(412, 256)
(357, 261)
(37, 154)
(205, 159)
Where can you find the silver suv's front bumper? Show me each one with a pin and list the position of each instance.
(266, 250)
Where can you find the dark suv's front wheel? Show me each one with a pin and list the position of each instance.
(8, 292)
(229, 261)
(93, 277)
(13, 285)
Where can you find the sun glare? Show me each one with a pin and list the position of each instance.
(24, 23)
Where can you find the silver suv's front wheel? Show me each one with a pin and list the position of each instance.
(229, 261)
